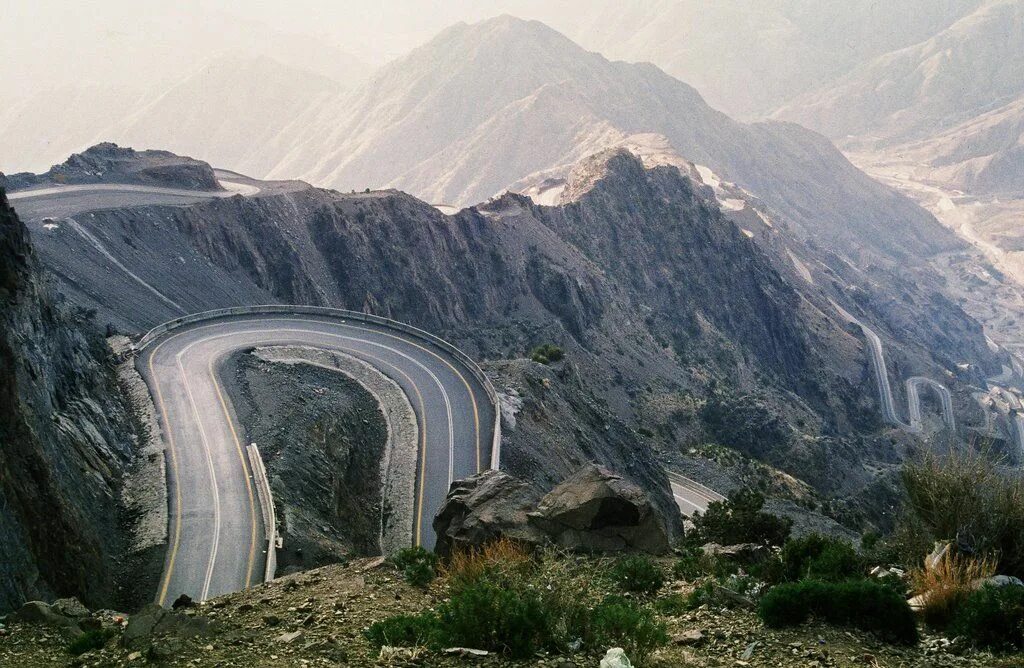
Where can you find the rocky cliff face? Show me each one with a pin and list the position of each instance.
(65, 437)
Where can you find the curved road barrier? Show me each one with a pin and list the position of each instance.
(259, 474)
(215, 521)
(913, 384)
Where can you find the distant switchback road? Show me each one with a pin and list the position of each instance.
(215, 533)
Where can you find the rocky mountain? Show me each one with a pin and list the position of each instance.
(746, 58)
(683, 310)
(971, 68)
(983, 155)
(66, 438)
(228, 111)
(539, 101)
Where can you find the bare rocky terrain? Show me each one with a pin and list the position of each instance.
(68, 437)
(676, 296)
(322, 438)
(316, 618)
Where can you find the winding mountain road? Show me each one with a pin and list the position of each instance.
(215, 524)
(913, 384)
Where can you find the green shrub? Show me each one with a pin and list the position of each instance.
(90, 640)
(861, 604)
(547, 353)
(638, 574)
(486, 616)
(992, 617)
(419, 566)
(616, 622)
(404, 631)
(672, 605)
(689, 566)
(739, 519)
(771, 571)
(519, 606)
(820, 558)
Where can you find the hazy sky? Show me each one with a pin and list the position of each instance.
(48, 42)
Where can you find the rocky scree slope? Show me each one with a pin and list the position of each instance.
(322, 437)
(66, 437)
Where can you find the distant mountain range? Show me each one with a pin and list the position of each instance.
(950, 105)
(748, 58)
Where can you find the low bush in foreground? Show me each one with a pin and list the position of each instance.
(617, 622)
(947, 584)
(502, 600)
(404, 631)
(638, 574)
(992, 617)
(860, 604)
(90, 640)
(418, 566)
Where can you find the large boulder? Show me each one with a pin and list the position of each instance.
(483, 507)
(594, 510)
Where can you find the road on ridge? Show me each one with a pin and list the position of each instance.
(216, 537)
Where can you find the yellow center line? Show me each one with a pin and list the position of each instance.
(174, 467)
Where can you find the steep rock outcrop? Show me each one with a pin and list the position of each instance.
(65, 437)
(110, 163)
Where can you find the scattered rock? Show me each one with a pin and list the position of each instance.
(743, 553)
(70, 607)
(183, 601)
(999, 581)
(616, 658)
(465, 651)
(692, 637)
(288, 638)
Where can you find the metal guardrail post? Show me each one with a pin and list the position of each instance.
(266, 499)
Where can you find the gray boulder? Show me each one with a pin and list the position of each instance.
(594, 510)
(39, 612)
(745, 554)
(484, 507)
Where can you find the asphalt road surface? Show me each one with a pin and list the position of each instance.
(690, 495)
(216, 540)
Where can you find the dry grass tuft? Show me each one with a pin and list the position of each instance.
(503, 555)
(948, 583)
